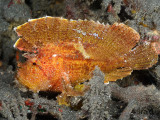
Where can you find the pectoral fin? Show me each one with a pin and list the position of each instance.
(117, 74)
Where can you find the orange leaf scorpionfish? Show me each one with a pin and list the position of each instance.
(62, 53)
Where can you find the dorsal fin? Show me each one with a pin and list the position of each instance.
(99, 41)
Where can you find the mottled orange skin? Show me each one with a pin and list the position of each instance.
(64, 53)
(55, 63)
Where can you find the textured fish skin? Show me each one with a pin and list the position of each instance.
(65, 52)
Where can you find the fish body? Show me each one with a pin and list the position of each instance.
(64, 52)
(57, 63)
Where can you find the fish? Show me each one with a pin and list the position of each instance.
(62, 52)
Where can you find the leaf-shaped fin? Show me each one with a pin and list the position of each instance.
(44, 30)
(109, 42)
(99, 41)
(103, 42)
(117, 74)
(141, 57)
(23, 45)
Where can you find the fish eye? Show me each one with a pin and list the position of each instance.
(34, 63)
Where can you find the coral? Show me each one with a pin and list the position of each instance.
(49, 7)
(17, 12)
(8, 51)
(3, 26)
(156, 72)
(10, 16)
(96, 99)
(137, 97)
(102, 10)
(10, 98)
(145, 15)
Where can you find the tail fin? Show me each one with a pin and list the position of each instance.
(141, 57)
